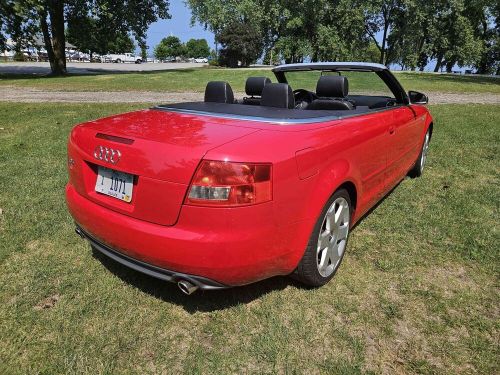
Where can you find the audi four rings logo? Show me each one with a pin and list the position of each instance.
(107, 154)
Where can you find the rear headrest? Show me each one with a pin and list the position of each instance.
(219, 92)
(255, 85)
(332, 87)
(278, 95)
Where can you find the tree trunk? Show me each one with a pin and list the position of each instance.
(46, 38)
(56, 12)
(483, 64)
(439, 62)
(383, 50)
(449, 66)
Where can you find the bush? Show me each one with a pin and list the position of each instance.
(213, 62)
(19, 56)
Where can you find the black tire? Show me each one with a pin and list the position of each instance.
(138, 61)
(118, 61)
(307, 271)
(418, 168)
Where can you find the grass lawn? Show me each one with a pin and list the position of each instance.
(418, 290)
(196, 79)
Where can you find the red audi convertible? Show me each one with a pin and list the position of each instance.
(226, 191)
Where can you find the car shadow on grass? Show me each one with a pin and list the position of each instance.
(207, 301)
(200, 301)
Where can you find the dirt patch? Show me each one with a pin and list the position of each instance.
(48, 302)
(31, 95)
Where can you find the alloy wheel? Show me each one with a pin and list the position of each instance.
(333, 237)
(425, 150)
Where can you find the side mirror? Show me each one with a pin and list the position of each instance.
(417, 97)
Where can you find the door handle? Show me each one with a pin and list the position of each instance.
(392, 130)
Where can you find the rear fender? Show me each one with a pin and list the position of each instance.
(329, 180)
(326, 182)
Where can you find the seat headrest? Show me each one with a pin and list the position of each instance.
(332, 87)
(219, 92)
(255, 85)
(277, 95)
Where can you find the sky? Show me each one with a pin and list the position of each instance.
(179, 25)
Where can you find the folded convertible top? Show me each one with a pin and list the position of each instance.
(260, 113)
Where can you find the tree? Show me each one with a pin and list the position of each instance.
(339, 33)
(240, 42)
(197, 48)
(144, 53)
(49, 17)
(453, 40)
(89, 34)
(412, 33)
(409, 32)
(218, 15)
(170, 46)
(380, 16)
(484, 16)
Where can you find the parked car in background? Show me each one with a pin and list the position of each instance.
(201, 60)
(7, 55)
(227, 192)
(123, 58)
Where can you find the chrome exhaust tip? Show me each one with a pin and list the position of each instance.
(79, 232)
(187, 287)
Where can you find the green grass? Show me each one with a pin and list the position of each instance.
(196, 79)
(417, 292)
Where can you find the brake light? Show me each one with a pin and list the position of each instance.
(219, 183)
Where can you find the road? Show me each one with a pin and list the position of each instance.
(91, 68)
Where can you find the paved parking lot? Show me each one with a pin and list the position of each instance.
(83, 67)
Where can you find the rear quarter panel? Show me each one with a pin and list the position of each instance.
(309, 163)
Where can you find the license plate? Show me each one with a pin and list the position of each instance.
(116, 184)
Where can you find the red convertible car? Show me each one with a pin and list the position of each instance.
(226, 192)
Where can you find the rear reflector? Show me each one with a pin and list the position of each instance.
(219, 183)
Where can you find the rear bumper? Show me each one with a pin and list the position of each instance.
(148, 269)
(229, 247)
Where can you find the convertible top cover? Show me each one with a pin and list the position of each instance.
(258, 113)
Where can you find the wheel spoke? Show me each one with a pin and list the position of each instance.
(338, 214)
(325, 258)
(343, 230)
(330, 220)
(324, 240)
(335, 256)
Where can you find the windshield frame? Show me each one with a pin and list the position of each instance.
(385, 75)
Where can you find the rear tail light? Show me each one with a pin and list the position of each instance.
(219, 183)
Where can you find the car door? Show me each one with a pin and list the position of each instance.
(372, 142)
(403, 132)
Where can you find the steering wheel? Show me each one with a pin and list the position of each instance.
(301, 96)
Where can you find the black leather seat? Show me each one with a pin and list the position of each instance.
(219, 92)
(278, 95)
(253, 88)
(332, 92)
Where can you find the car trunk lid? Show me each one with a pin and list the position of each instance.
(160, 149)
